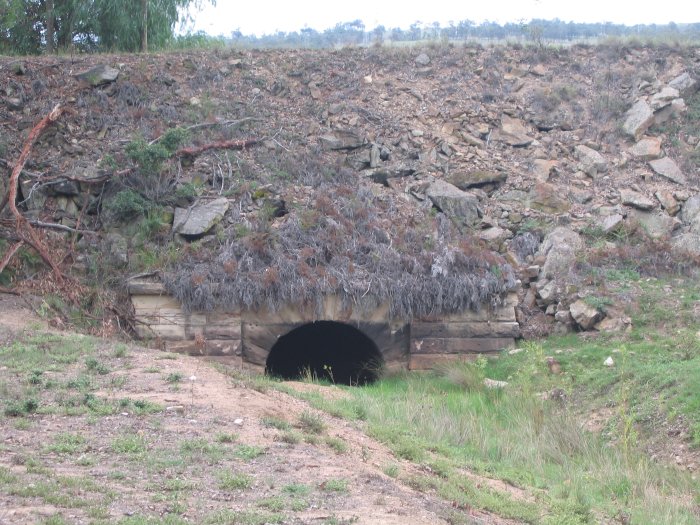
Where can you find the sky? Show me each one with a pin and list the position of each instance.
(269, 16)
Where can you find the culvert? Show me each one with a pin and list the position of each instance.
(326, 350)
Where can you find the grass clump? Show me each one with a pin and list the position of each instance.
(334, 485)
(248, 452)
(68, 443)
(229, 480)
(130, 444)
(311, 422)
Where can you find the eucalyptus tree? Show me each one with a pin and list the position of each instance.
(33, 26)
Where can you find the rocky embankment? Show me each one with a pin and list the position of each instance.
(550, 157)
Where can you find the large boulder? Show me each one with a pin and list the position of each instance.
(685, 84)
(559, 248)
(668, 169)
(199, 219)
(657, 225)
(649, 148)
(547, 198)
(454, 202)
(99, 75)
(590, 161)
(585, 315)
(477, 179)
(117, 249)
(342, 140)
(663, 98)
(638, 119)
(636, 200)
(514, 132)
(691, 209)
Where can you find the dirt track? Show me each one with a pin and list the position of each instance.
(185, 453)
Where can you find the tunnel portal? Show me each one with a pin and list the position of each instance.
(328, 350)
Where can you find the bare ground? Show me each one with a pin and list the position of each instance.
(209, 424)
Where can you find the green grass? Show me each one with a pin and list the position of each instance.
(67, 443)
(337, 444)
(230, 517)
(229, 480)
(248, 452)
(201, 448)
(174, 377)
(311, 422)
(335, 485)
(130, 444)
(275, 422)
(46, 352)
(447, 422)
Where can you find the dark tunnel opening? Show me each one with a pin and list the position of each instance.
(327, 350)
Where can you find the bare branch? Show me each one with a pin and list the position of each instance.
(224, 144)
(8, 255)
(225, 123)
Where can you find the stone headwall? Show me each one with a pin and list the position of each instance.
(245, 338)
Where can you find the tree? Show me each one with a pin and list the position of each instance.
(32, 26)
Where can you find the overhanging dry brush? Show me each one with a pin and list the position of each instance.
(366, 248)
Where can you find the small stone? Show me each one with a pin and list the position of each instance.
(494, 383)
(611, 223)
(667, 201)
(179, 409)
(423, 59)
(543, 168)
(238, 422)
(609, 362)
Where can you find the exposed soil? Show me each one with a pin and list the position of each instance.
(206, 403)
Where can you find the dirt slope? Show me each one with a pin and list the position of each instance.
(207, 423)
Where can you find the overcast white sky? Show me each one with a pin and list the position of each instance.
(268, 16)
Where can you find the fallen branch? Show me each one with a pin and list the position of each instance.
(224, 144)
(8, 291)
(23, 228)
(56, 226)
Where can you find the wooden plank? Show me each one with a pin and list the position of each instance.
(458, 346)
(254, 354)
(214, 347)
(420, 329)
(265, 335)
(431, 361)
(137, 287)
(168, 332)
(223, 329)
(391, 340)
(154, 302)
(189, 347)
(504, 313)
(396, 366)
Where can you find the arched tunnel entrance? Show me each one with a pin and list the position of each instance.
(328, 350)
